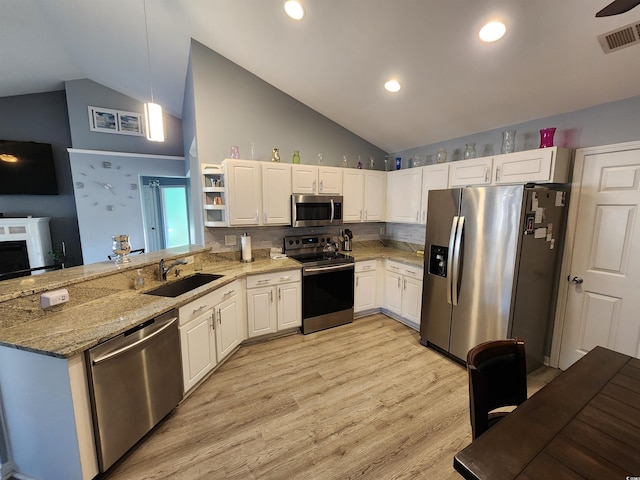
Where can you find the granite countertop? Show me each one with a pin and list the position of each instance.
(71, 330)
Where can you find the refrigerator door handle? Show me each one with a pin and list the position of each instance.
(456, 262)
(452, 238)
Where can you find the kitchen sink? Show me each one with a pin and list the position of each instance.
(183, 285)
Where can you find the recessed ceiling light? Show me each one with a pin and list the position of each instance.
(7, 157)
(392, 86)
(294, 9)
(492, 31)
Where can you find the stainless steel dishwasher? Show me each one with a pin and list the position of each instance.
(135, 381)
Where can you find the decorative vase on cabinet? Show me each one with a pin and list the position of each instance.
(469, 151)
(508, 141)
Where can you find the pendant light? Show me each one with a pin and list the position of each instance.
(152, 110)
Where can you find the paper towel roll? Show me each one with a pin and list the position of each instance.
(245, 243)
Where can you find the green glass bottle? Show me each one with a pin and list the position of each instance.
(296, 157)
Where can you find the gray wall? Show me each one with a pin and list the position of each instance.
(43, 118)
(84, 93)
(614, 122)
(231, 106)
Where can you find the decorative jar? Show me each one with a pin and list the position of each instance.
(469, 151)
(275, 155)
(441, 155)
(546, 137)
(508, 141)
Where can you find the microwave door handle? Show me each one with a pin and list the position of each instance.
(456, 262)
(294, 212)
(452, 239)
(332, 211)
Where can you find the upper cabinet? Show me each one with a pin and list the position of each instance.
(364, 195)
(543, 165)
(434, 177)
(258, 192)
(244, 191)
(313, 180)
(276, 194)
(404, 195)
(214, 199)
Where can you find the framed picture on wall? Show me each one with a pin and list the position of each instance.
(103, 120)
(130, 123)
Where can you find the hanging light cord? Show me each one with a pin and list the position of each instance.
(146, 29)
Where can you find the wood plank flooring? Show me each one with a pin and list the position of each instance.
(360, 401)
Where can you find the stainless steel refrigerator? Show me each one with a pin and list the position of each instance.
(491, 267)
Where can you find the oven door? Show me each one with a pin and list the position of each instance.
(327, 296)
(316, 210)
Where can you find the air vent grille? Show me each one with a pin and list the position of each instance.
(620, 38)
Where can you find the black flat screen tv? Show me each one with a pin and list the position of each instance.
(26, 168)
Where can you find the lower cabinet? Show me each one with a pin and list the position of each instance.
(403, 291)
(274, 302)
(364, 293)
(211, 327)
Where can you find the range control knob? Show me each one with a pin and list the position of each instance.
(297, 242)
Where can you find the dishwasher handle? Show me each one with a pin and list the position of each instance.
(126, 348)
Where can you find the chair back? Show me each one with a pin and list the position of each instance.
(497, 378)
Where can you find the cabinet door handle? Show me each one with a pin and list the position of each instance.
(398, 282)
(486, 175)
(313, 187)
(405, 286)
(321, 185)
(264, 217)
(357, 278)
(271, 296)
(196, 310)
(424, 215)
(257, 216)
(360, 214)
(417, 215)
(498, 173)
(213, 320)
(219, 317)
(279, 294)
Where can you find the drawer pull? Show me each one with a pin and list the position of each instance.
(196, 310)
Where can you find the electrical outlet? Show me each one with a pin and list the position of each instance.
(381, 230)
(55, 297)
(230, 240)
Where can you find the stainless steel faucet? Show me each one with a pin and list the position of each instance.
(164, 270)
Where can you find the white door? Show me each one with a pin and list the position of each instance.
(228, 331)
(364, 297)
(602, 301)
(244, 191)
(375, 190)
(434, 177)
(404, 195)
(289, 305)
(411, 299)
(304, 179)
(276, 194)
(261, 311)
(198, 346)
(393, 292)
(353, 182)
(330, 180)
(470, 172)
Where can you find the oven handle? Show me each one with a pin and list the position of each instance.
(330, 268)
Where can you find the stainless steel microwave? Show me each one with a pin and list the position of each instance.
(316, 210)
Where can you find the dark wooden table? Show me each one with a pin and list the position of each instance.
(584, 424)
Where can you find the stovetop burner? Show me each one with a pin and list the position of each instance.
(308, 250)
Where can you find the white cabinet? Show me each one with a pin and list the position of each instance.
(312, 180)
(210, 328)
(274, 302)
(364, 195)
(434, 177)
(244, 191)
(404, 195)
(365, 287)
(403, 291)
(471, 172)
(214, 200)
(543, 165)
(276, 193)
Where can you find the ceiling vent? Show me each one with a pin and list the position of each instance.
(620, 38)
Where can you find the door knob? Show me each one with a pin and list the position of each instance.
(577, 280)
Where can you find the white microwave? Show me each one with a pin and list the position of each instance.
(316, 210)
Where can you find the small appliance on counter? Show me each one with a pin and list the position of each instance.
(346, 237)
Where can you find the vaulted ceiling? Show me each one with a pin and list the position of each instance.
(338, 57)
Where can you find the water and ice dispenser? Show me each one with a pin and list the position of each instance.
(438, 260)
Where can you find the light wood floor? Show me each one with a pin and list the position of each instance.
(364, 401)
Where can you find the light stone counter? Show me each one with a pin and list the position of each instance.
(104, 304)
